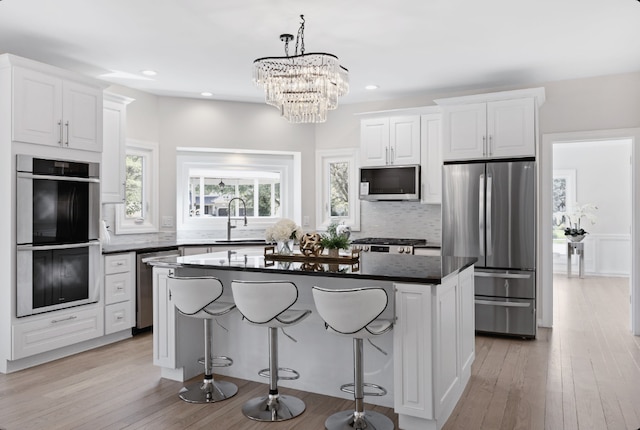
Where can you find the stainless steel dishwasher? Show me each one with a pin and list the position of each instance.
(144, 285)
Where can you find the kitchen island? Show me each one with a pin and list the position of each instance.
(428, 353)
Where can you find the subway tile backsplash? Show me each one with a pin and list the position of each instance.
(412, 220)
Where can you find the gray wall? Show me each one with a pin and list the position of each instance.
(607, 102)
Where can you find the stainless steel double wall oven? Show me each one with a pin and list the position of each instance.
(57, 234)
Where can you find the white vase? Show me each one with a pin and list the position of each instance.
(285, 247)
(574, 238)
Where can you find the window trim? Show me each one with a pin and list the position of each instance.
(150, 151)
(323, 158)
(289, 166)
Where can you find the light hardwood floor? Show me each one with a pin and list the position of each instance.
(582, 374)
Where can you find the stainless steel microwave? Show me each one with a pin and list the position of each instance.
(390, 183)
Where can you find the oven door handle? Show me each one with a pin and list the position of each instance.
(57, 178)
(64, 246)
(503, 304)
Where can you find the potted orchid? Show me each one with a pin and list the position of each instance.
(573, 221)
(284, 233)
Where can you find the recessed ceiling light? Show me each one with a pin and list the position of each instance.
(206, 94)
(149, 72)
(371, 87)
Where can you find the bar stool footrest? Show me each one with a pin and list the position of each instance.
(265, 373)
(222, 361)
(349, 388)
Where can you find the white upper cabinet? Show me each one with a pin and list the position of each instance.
(502, 126)
(390, 140)
(431, 158)
(114, 147)
(50, 110)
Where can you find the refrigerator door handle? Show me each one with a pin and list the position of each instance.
(503, 304)
(488, 215)
(502, 275)
(481, 219)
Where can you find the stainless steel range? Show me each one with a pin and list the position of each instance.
(387, 245)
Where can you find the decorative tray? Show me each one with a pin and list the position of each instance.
(271, 254)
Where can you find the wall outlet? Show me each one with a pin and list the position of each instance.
(305, 221)
(167, 221)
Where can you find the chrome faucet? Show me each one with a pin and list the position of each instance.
(229, 226)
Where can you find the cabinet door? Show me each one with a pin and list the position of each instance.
(113, 155)
(37, 107)
(374, 142)
(82, 111)
(404, 140)
(57, 330)
(464, 131)
(431, 158)
(118, 288)
(511, 128)
(447, 345)
(467, 320)
(164, 321)
(118, 317)
(412, 351)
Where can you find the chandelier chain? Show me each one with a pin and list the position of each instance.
(300, 37)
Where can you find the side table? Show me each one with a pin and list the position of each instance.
(576, 248)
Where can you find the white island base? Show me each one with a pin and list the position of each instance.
(429, 351)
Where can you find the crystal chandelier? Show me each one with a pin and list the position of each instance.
(303, 87)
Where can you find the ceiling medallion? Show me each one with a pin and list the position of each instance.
(302, 86)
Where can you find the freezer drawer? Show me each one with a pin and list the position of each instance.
(505, 283)
(498, 315)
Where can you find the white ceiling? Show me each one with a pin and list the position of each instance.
(404, 46)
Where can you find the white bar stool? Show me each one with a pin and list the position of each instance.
(197, 297)
(268, 304)
(354, 313)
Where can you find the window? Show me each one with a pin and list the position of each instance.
(212, 182)
(139, 214)
(336, 185)
(211, 192)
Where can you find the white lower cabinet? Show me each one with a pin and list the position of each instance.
(61, 329)
(434, 347)
(119, 292)
(117, 317)
(164, 320)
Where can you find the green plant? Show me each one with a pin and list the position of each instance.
(333, 240)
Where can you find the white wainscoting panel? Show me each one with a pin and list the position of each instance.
(604, 255)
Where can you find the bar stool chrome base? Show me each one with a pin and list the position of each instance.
(348, 420)
(208, 391)
(273, 408)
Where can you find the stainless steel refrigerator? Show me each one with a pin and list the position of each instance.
(489, 212)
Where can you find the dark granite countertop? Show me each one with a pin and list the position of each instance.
(166, 245)
(394, 268)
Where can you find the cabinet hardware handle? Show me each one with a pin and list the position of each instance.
(60, 128)
(484, 146)
(72, 317)
(124, 191)
(67, 125)
(386, 155)
(490, 145)
(393, 156)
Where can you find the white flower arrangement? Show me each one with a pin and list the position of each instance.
(285, 229)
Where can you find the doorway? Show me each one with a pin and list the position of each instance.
(601, 242)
